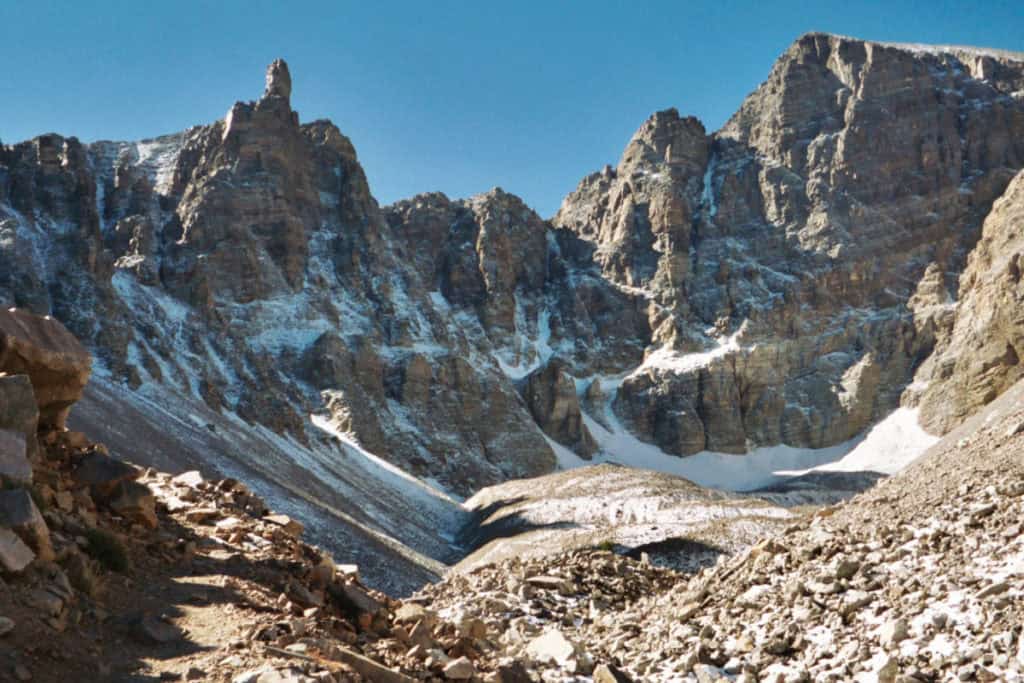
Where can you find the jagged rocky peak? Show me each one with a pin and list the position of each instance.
(640, 215)
(279, 80)
(287, 178)
(668, 138)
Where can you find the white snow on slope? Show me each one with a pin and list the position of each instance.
(395, 477)
(707, 198)
(667, 359)
(525, 354)
(888, 447)
(158, 157)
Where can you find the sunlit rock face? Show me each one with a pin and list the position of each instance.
(801, 261)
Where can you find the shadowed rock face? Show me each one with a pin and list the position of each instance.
(779, 280)
(551, 397)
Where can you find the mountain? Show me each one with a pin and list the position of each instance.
(718, 305)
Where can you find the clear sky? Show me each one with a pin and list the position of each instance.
(436, 95)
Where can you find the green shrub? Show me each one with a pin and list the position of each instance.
(107, 549)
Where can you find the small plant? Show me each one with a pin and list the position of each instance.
(107, 549)
(608, 545)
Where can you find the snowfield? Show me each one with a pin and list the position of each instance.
(889, 446)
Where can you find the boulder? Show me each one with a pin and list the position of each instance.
(14, 554)
(291, 526)
(18, 419)
(551, 646)
(103, 474)
(134, 501)
(18, 512)
(56, 363)
(609, 673)
(14, 464)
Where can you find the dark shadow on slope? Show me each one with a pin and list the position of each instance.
(681, 554)
(818, 488)
(168, 590)
(178, 447)
(471, 536)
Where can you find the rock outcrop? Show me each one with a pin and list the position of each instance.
(551, 396)
(981, 355)
(19, 420)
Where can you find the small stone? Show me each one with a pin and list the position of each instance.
(846, 569)
(290, 526)
(557, 583)
(156, 630)
(202, 515)
(192, 479)
(410, 613)
(609, 673)
(997, 588)
(6, 626)
(551, 646)
(888, 671)
(893, 632)
(459, 669)
(351, 594)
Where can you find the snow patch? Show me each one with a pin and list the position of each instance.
(888, 447)
(672, 361)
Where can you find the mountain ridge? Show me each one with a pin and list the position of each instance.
(780, 281)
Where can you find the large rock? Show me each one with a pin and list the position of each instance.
(18, 420)
(14, 554)
(57, 364)
(18, 512)
(551, 397)
(135, 502)
(103, 475)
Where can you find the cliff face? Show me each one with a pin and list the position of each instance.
(778, 281)
(979, 357)
(797, 259)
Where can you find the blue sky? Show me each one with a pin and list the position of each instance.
(450, 96)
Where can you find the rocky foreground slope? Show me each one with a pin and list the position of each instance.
(115, 573)
(919, 579)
